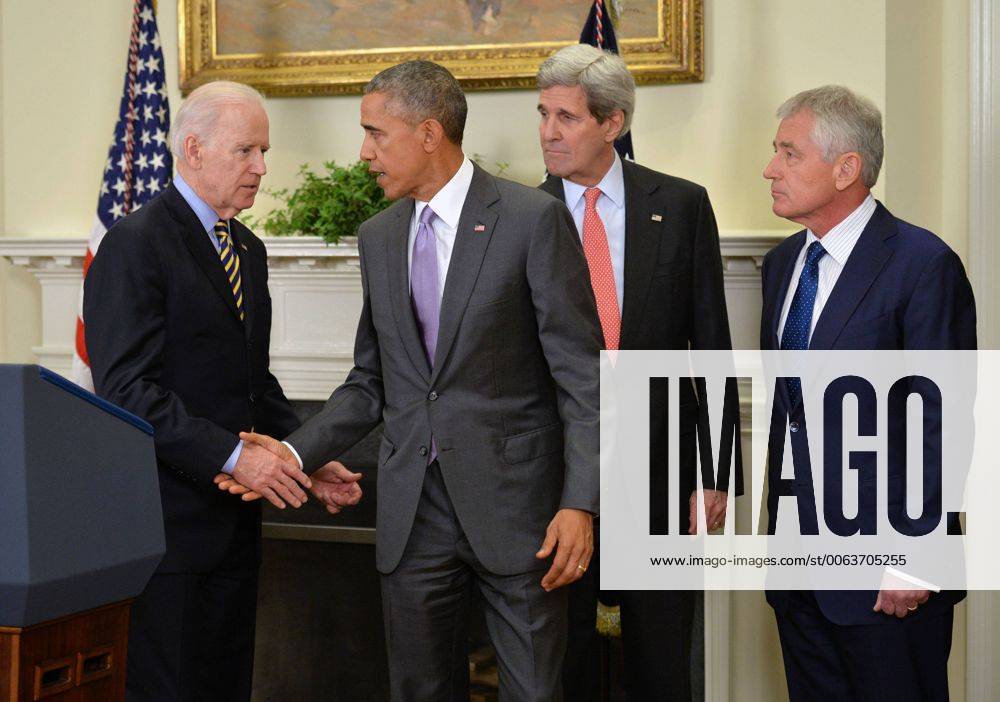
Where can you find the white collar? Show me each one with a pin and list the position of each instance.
(612, 185)
(840, 241)
(447, 202)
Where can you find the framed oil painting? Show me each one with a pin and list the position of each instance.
(327, 47)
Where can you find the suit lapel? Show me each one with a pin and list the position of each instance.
(642, 249)
(396, 252)
(784, 272)
(198, 243)
(864, 264)
(466, 260)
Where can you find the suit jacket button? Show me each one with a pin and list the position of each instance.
(251, 398)
(432, 396)
(793, 427)
(423, 450)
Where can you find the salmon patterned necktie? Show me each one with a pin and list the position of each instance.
(602, 275)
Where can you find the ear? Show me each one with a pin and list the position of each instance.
(193, 151)
(431, 135)
(613, 125)
(847, 170)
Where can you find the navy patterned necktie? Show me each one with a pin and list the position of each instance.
(795, 336)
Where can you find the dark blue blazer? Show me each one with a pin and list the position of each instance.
(901, 288)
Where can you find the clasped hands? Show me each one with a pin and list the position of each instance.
(267, 468)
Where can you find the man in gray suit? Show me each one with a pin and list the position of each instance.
(478, 347)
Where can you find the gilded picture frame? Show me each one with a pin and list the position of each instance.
(265, 44)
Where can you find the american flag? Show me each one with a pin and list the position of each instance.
(600, 32)
(139, 164)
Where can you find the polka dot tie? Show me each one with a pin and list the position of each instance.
(602, 275)
(798, 324)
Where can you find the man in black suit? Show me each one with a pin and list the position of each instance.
(856, 278)
(178, 326)
(653, 251)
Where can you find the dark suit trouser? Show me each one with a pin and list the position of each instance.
(656, 642)
(191, 635)
(426, 601)
(901, 660)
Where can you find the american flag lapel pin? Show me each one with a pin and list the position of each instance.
(479, 228)
(657, 218)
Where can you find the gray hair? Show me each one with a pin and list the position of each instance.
(843, 122)
(604, 77)
(199, 112)
(419, 90)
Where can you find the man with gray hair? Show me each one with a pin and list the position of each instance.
(478, 347)
(856, 278)
(178, 328)
(652, 248)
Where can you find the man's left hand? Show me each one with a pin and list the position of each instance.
(715, 510)
(571, 535)
(899, 597)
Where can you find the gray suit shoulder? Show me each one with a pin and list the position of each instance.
(523, 198)
(384, 220)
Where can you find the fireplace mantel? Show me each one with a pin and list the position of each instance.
(316, 300)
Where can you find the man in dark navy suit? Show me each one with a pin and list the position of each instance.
(856, 278)
(178, 328)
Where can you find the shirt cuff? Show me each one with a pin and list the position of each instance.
(294, 453)
(912, 579)
(233, 458)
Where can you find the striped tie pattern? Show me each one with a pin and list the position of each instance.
(230, 262)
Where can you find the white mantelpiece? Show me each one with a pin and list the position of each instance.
(316, 301)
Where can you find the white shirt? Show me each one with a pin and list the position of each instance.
(611, 210)
(447, 204)
(839, 243)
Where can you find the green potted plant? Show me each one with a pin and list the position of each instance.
(330, 205)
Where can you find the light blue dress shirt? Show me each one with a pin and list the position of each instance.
(611, 210)
(208, 218)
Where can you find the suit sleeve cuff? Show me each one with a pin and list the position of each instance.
(294, 453)
(233, 458)
(914, 580)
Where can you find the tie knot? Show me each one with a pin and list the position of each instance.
(426, 215)
(221, 228)
(590, 195)
(814, 253)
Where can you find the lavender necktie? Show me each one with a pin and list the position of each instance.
(425, 293)
(424, 283)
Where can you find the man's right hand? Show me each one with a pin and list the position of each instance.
(274, 478)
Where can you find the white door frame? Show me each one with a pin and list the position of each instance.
(983, 608)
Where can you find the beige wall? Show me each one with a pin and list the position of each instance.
(61, 70)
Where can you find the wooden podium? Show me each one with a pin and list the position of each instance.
(77, 658)
(81, 532)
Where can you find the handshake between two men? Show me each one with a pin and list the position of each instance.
(268, 468)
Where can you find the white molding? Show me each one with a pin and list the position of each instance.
(984, 165)
(316, 294)
(982, 675)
